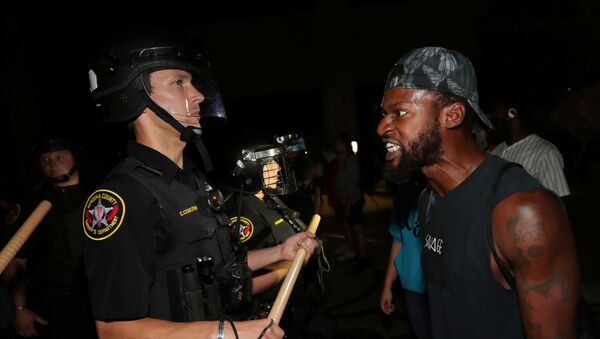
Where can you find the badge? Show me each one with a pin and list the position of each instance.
(246, 227)
(103, 214)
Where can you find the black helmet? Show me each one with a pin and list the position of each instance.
(253, 159)
(266, 168)
(119, 72)
(52, 141)
(120, 80)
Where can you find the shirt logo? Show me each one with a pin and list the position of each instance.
(103, 214)
(433, 244)
(246, 227)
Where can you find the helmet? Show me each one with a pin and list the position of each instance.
(266, 168)
(53, 141)
(119, 74)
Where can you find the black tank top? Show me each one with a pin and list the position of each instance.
(465, 299)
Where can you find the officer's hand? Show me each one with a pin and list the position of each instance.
(304, 240)
(253, 328)
(385, 301)
(25, 323)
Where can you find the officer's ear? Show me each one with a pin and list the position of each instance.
(454, 114)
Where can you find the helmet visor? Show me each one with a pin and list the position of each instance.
(275, 172)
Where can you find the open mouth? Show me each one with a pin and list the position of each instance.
(392, 147)
(393, 151)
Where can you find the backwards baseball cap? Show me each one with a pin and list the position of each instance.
(441, 70)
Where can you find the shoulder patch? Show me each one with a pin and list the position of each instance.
(103, 214)
(246, 227)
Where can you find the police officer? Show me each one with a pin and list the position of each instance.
(155, 215)
(50, 296)
(262, 174)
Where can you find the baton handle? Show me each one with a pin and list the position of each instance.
(290, 279)
(17, 241)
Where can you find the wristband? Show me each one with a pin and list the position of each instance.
(220, 329)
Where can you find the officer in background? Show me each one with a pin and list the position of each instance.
(156, 220)
(262, 173)
(46, 278)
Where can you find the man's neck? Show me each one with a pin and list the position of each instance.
(453, 167)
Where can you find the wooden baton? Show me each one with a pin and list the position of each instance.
(17, 241)
(290, 279)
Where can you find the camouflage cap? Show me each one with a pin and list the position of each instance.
(441, 70)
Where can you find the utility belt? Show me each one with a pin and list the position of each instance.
(209, 292)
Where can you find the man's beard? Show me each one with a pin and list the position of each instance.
(424, 151)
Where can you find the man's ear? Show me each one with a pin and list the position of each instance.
(454, 114)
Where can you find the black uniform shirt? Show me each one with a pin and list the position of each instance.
(54, 249)
(130, 239)
(260, 226)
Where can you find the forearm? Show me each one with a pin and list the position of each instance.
(148, 328)
(13, 278)
(275, 274)
(260, 258)
(391, 272)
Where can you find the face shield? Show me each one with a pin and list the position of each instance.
(273, 167)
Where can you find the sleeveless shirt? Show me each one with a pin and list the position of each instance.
(465, 299)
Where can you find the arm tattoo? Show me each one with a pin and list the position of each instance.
(530, 233)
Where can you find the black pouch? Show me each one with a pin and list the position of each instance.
(235, 279)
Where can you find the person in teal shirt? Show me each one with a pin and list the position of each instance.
(405, 259)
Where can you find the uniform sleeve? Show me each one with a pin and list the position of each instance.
(254, 229)
(118, 221)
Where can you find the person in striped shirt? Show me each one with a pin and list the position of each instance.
(511, 118)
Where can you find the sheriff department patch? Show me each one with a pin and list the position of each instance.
(103, 214)
(246, 227)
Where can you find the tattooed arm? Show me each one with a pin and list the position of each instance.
(533, 236)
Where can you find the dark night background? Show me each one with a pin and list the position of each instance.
(314, 67)
(317, 68)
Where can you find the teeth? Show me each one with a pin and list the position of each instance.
(392, 147)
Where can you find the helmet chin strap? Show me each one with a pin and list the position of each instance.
(63, 178)
(188, 134)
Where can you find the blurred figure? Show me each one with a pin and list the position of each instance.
(346, 197)
(266, 221)
(307, 200)
(46, 277)
(405, 259)
(511, 117)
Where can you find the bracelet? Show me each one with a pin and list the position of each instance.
(21, 307)
(220, 329)
(233, 328)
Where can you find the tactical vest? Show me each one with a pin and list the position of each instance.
(189, 229)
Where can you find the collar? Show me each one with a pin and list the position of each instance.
(157, 162)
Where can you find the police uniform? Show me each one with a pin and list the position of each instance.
(56, 288)
(266, 223)
(147, 220)
(260, 226)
